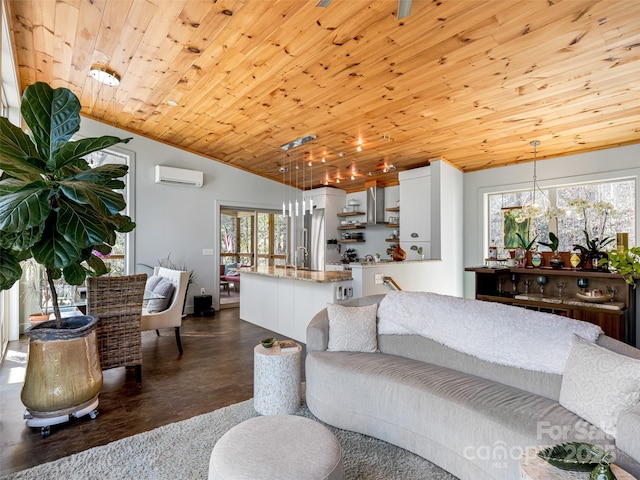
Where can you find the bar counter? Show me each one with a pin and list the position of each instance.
(299, 274)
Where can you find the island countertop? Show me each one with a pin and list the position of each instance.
(304, 275)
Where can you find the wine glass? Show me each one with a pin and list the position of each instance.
(514, 284)
(527, 284)
(583, 283)
(500, 285)
(541, 280)
(561, 286)
(612, 289)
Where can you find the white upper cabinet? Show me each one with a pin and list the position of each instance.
(415, 206)
(431, 212)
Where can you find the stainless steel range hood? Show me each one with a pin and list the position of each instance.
(375, 204)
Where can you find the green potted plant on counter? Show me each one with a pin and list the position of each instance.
(523, 252)
(57, 210)
(554, 242)
(626, 263)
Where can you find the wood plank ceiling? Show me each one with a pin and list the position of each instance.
(471, 81)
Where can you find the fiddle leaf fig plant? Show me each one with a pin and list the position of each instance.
(54, 207)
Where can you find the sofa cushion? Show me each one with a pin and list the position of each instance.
(426, 350)
(598, 384)
(164, 288)
(352, 329)
(229, 266)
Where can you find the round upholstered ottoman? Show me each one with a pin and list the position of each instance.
(285, 447)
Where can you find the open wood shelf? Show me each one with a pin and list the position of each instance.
(350, 214)
(350, 240)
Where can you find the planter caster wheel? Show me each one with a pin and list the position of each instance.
(45, 431)
(93, 414)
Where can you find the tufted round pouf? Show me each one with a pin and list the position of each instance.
(285, 447)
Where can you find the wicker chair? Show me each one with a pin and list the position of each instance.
(117, 303)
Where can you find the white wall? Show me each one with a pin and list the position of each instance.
(182, 220)
(622, 162)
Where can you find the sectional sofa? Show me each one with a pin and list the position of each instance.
(470, 413)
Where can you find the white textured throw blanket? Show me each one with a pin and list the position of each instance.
(490, 331)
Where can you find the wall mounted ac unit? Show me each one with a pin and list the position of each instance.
(178, 176)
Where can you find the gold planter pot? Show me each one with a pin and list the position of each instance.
(63, 370)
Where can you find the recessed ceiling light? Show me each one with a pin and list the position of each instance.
(172, 103)
(105, 75)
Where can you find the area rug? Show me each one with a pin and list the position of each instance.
(181, 450)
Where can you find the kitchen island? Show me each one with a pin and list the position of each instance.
(285, 299)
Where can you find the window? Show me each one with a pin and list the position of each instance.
(117, 261)
(602, 209)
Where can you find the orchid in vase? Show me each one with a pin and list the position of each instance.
(594, 234)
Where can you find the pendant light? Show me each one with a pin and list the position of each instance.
(534, 209)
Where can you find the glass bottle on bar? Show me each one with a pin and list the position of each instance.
(575, 259)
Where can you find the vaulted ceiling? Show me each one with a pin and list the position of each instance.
(470, 81)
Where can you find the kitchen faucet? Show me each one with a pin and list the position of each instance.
(306, 254)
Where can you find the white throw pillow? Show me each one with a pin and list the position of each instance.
(164, 288)
(352, 329)
(598, 384)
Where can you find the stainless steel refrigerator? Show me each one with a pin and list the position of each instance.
(311, 236)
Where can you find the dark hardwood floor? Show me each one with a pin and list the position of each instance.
(215, 370)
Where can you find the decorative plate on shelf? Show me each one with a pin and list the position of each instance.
(592, 299)
(575, 456)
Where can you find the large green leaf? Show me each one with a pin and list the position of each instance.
(52, 115)
(74, 274)
(78, 149)
(10, 270)
(97, 265)
(23, 206)
(103, 175)
(54, 251)
(103, 199)
(79, 225)
(21, 241)
(18, 155)
(122, 223)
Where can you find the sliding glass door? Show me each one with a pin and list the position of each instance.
(252, 237)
